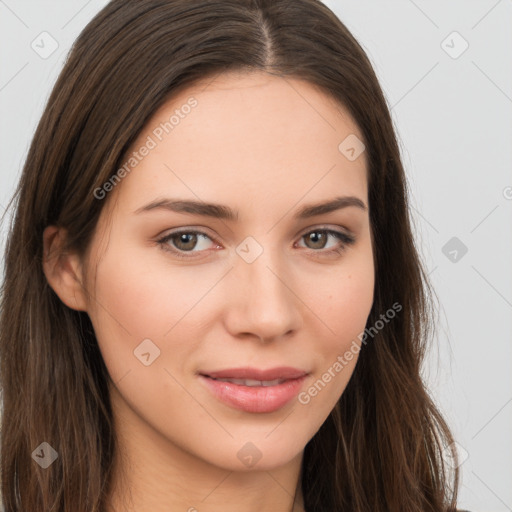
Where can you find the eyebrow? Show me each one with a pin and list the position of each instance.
(219, 211)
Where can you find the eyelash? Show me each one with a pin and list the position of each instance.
(345, 240)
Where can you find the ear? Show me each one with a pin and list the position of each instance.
(63, 271)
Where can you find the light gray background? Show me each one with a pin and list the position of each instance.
(453, 118)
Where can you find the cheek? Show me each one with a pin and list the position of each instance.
(146, 299)
(343, 300)
(138, 298)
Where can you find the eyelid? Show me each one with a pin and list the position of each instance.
(327, 227)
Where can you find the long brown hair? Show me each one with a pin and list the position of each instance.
(382, 446)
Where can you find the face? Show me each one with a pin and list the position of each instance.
(181, 291)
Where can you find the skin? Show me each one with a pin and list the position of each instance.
(265, 146)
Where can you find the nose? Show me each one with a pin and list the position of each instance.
(262, 303)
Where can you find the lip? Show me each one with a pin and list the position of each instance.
(281, 372)
(255, 399)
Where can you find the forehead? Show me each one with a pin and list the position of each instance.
(246, 136)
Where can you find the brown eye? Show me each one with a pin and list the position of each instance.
(184, 241)
(317, 239)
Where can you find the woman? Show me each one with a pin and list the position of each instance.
(212, 297)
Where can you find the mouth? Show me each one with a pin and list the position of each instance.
(280, 373)
(251, 382)
(253, 390)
